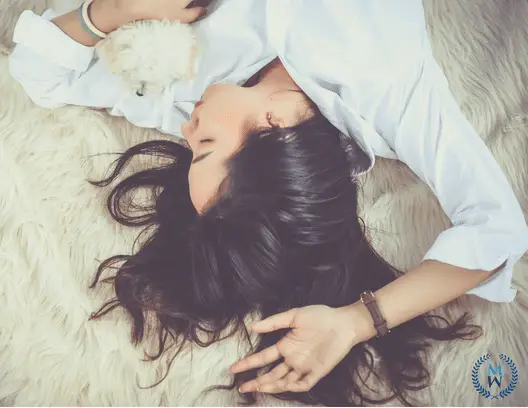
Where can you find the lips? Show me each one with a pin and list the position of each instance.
(198, 104)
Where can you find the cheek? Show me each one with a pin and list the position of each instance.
(226, 128)
(195, 190)
(204, 184)
(224, 114)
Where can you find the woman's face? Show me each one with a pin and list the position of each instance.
(225, 116)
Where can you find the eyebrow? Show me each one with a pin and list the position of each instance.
(201, 157)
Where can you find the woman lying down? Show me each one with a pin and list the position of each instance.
(291, 102)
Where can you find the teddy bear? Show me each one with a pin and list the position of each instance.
(149, 55)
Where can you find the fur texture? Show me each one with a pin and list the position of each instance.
(133, 53)
(54, 228)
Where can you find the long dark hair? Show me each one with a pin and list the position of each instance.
(283, 233)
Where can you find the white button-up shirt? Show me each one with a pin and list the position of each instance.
(369, 67)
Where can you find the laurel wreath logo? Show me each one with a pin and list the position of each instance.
(514, 376)
(505, 392)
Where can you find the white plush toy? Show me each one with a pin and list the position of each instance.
(149, 55)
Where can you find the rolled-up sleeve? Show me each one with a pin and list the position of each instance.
(419, 118)
(55, 70)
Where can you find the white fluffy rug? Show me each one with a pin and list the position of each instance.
(54, 228)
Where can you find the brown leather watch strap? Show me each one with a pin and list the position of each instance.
(369, 300)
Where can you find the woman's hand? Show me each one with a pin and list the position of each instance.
(319, 339)
(173, 10)
(109, 15)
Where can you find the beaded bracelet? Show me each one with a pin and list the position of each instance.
(86, 23)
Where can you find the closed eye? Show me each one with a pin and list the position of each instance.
(206, 141)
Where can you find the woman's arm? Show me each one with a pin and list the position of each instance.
(422, 289)
(320, 337)
(55, 70)
(419, 118)
(106, 15)
(54, 58)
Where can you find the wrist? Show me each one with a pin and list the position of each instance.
(109, 15)
(357, 322)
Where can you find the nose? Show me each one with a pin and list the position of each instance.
(185, 129)
(188, 129)
(190, 132)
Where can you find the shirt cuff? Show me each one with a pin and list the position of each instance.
(47, 40)
(470, 248)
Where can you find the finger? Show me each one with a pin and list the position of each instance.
(277, 373)
(260, 359)
(280, 385)
(304, 384)
(292, 377)
(282, 320)
(189, 15)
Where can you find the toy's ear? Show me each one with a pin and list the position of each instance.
(108, 50)
(117, 43)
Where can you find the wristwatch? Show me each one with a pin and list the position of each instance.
(380, 324)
